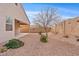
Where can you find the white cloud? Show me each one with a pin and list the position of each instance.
(31, 14)
(69, 10)
(66, 17)
(68, 13)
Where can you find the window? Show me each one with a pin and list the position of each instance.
(8, 27)
(8, 23)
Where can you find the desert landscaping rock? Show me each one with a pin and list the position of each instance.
(33, 47)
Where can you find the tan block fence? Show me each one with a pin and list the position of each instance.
(68, 27)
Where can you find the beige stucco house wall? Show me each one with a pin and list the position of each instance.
(16, 13)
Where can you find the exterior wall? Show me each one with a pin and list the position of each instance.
(4, 35)
(71, 27)
(24, 28)
(59, 28)
(75, 27)
(10, 9)
(37, 30)
(17, 28)
(15, 12)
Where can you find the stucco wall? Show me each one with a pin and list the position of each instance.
(4, 35)
(15, 12)
(24, 28)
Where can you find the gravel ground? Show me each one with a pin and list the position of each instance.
(33, 47)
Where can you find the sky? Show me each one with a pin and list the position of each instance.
(65, 10)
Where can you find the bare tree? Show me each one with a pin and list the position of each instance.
(46, 18)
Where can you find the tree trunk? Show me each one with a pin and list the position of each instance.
(55, 28)
(46, 33)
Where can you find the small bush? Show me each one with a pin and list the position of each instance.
(43, 38)
(66, 36)
(77, 39)
(14, 43)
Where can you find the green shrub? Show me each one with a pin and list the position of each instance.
(14, 43)
(43, 38)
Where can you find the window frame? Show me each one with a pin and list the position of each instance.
(8, 18)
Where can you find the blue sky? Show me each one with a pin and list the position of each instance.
(65, 10)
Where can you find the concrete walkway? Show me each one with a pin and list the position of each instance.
(33, 47)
